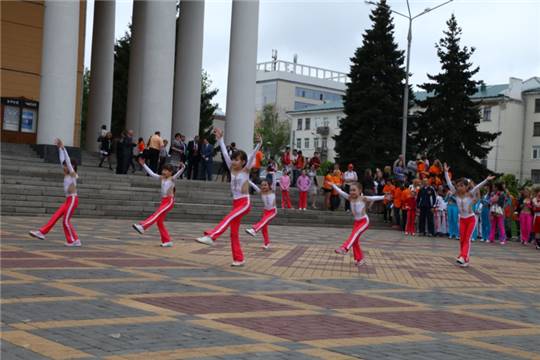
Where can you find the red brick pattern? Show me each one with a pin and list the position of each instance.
(139, 262)
(312, 327)
(18, 255)
(441, 321)
(213, 304)
(40, 263)
(94, 254)
(339, 300)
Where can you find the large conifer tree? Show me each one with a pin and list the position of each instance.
(371, 130)
(448, 127)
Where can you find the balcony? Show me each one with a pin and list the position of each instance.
(323, 130)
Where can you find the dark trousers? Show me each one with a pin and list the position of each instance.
(403, 219)
(347, 189)
(207, 170)
(192, 169)
(387, 213)
(153, 159)
(426, 215)
(397, 218)
(334, 202)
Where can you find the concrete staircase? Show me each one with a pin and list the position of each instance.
(31, 187)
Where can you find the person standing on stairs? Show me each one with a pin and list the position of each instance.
(71, 203)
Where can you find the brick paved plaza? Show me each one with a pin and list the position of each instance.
(121, 296)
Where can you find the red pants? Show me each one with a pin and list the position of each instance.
(536, 224)
(302, 201)
(466, 229)
(285, 199)
(359, 227)
(240, 208)
(167, 203)
(411, 219)
(263, 224)
(66, 210)
(525, 226)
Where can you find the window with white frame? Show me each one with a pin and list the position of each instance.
(324, 143)
(298, 143)
(308, 124)
(315, 143)
(486, 113)
(536, 152)
(299, 124)
(306, 143)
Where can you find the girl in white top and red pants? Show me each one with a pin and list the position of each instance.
(268, 197)
(167, 201)
(465, 198)
(69, 206)
(361, 221)
(239, 164)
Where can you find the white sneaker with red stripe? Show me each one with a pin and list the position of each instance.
(37, 234)
(138, 228)
(206, 240)
(251, 232)
(76, 243)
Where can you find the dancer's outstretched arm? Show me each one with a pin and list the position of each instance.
(448, 181)
(251, 156)
(374, 198)
(219, 136)
(475, 189)
(254, 187)
(64, 156)
(341, 193)
(179, 172)
(148, 170)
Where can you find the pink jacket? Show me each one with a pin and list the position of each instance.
(303, 183)
(285, 182)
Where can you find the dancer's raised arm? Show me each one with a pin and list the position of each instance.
(448, 181)
(475, 189)
(219, 136)
(180, 171)
(254, 187)
(251, 156)
(374, 198)
(341, 193)
(64, 156)
(148, 170)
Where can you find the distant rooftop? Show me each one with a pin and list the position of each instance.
(305, 70)
(482, 92)
(336, 105)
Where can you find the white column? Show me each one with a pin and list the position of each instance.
(102, 69)
(58, 88)
(158, 68)
(133, 111)
(240, 118)
(187, 81)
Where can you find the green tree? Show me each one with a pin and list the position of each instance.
(207, 108)
(120, 82)
(371, 129)
(275, 132)
(450, 122)
(84, 107)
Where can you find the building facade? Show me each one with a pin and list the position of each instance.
(42, 66)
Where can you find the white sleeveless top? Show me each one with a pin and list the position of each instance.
(68, 181)
(269, 201)
(237, 183)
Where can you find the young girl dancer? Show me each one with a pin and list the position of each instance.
(285, 184)
(239, 164)
(536, 221)
(359, 203)
(167, 201)
(268, 197)
(525, 216)
(410, 205)
(71, 203)
(465, 197)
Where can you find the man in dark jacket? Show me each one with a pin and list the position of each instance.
(207, 155)
(194, 156)
(425, 201)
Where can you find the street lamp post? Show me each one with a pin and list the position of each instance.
(406, 89)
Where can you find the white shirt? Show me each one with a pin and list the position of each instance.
(358, 207)
(167, 184)
(71, 178)
(269, 199)
(465, 202)
(240, 178)
(350, 177)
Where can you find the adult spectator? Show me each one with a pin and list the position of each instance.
(106, 149)
(128, 152)
(255, 172)
(194, 156)
(102, 133)
(177, 151)
(368, 185)
(207, 155)
(315, 161)
(119, 145)
(286, 159)
(349, 177)
(299, 164)
(425, 201)
(154, 147)
(163, 156)
(295, 172)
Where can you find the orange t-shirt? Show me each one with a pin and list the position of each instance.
(405, 195)
(258, 159)
(388, 189)
(327, 180)
(397, 198)
(435, 170)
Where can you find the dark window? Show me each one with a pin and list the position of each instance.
(536, 129)
(487, 114)
(299, 125)
(535, 176)
(537, 105)
(308, 124)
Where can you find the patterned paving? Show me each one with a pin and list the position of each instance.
(121, 296)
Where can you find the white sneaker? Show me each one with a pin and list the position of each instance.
(266, 247)
(251, 232)
(37, 234)
(460, 260)
(206, 240)
(138, 228)
(465, 264)
(238, 263)
(167, 244)
(360, 263)
(76, 243)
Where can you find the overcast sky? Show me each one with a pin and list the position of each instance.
(325, 33)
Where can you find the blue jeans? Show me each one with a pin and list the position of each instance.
(486, 224)
(453, 221)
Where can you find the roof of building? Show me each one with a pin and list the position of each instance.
(335, 105)
(482, 92)
(536, 89)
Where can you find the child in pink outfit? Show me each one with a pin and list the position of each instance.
(303, 184)
(285, 184)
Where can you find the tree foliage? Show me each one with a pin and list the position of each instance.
(84, 107)
(120, 83)
(207, 108)
(371, 129)
(449, 125)
(275, 132)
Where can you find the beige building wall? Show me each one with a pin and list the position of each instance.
(530, 164)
